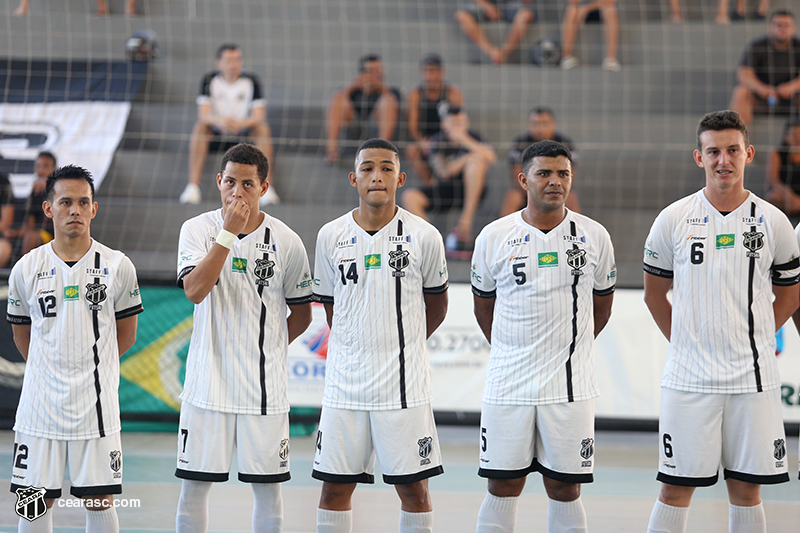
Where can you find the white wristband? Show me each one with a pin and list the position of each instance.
(226, 238)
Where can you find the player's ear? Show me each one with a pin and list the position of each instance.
(47, 207)
(94, 209)
(751, 153)
(523, 180)
(401, 179)
(698, 158)
(219, 181)
(352, 177)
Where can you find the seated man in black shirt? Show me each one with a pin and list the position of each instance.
(783, 171)
(769, 71)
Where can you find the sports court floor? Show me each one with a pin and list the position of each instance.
(619, 500)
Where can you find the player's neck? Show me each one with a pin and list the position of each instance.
(726, 199)
(253, 222)
(544, 220)
(371, 218)
(71, 248)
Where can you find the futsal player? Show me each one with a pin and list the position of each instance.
(726, 253)
(244, 270)
(73, 306)
(543, 283)
(381, 274)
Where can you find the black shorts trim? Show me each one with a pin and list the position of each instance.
(658, 271)
(96, 490)
(560, 476)
(299, 301)
(264, 478)
(413, 478)
(756, 479)
(505, 474)
(182, 274)
(441, 289)
(19, 320)
(343, 478)
(687, 481)
(604, 292)
(50, 494)
(129, 312)
(201, 476)
(483, 294)
(322, 299)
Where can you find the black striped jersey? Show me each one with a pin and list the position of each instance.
(543, 322)
(377, 352)
(723, 267)
(234, 99)
(237, 361)
(71, 383)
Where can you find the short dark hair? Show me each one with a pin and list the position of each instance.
(49, 155)
(544, 149)
(246, 154)
(382, 144)
(538, 110)
(781, 13)
(363, 60)
(224, 47)
(68, 172)
(719, 121)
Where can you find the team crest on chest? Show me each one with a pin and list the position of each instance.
(753, 241)
(95, 295)
(398, 260)
(576, 258)
(264, 269)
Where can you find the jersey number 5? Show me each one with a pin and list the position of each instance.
(47, 304)
(519, 274)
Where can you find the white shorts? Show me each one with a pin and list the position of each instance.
(404, 440)
(743, 431)
(206, 440)
(95, 465)
(556, 440)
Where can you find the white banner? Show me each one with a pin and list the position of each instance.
(630, 354)
(80, 133)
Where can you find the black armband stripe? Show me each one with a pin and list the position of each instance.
(661, 273)
(483, 294)
(604, 292)
(441, 289)
(784, 282)
(131, 311)
(19, 320)
(791, 265)
(299, 301)
(182, 274)
(321, 298)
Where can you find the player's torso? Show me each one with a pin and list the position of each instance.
(231, 99)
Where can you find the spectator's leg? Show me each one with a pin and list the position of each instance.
(385, 114)
(198, 149)
(514, 200)
(516, 32)
(569, 28)
(470, 27)
(743, 102)
(474, 181)
(722, 12)
(418, 164)
(608, 10)
(675, 9)
(340, 112)
(261, 135)
(763, 6)
(130, 8)
(5, 252)
(415, 202)
(740, 8)
(22, 8)
(102, 7)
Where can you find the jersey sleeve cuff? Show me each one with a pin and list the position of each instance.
(784, 282)
(16, 319)
(182, 274)
(791, 265)
(660, 272)
(604, 292)
(300, 300)
(441, 289)
(483, 294)
(321, 298)
(131, 311)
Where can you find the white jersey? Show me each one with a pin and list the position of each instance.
(723, 323)
(543, 324)
(237, 361)
(377, 354)
(70, 390)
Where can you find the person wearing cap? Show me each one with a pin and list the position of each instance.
(460, 159)
(783, 171)
(426, 105)
(511, 11)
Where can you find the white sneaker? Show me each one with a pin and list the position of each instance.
(569, 63)
(191, 195)
(611, 64)
(270, 198)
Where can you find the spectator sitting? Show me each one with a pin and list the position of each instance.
(783, 171)
(575, 15)
(426, 103)
(231, 102)
(460, 159)
(35, 229)
(366, 98)
(769, 70)
(541, 127)
(519, 17)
